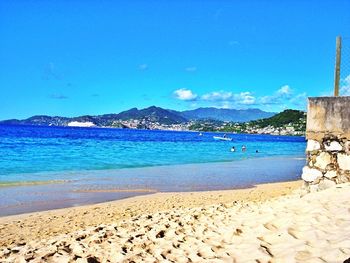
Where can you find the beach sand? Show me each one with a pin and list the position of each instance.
(268, 223)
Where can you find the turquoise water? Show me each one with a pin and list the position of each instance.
(32, 153)
(45, 168)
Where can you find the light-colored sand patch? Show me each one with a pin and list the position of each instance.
(116, 190)
(290, 228)
(21, 229)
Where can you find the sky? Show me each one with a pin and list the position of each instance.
(72, 58)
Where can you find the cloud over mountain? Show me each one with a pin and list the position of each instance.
(282, 97)
(185, 94)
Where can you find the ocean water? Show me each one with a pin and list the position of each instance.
(32, 153)
(45, 168)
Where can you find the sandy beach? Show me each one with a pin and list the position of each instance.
(268, 223)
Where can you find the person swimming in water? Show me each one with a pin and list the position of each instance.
(233, 149)
(244, 148)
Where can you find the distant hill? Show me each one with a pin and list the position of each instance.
(226, 114)
(288, 122)
(40, 120)
(151, 114)
(283, 118)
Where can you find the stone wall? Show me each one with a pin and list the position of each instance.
(328, 142)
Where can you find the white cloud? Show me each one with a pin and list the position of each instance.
(185, 94)
(282, 97)
(217, 96)
(191, 69)
(143, 67)
(266, 100)
(284, 90)
(245, 98)
(228, 98)
(345, 86)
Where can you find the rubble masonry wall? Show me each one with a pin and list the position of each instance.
(328, 142)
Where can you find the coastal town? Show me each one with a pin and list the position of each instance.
(211, 126)
(286, 125)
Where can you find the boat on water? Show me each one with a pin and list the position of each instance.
(222, 138)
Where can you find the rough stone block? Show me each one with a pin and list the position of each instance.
(343, 178)
(331, 174)
(333, 146)
(343, 161)
(347, 147)
(313, 145)
(322, 160)
(310, 174)
(331, 167)
(312, 157)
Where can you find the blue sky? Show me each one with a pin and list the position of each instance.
(72, 58)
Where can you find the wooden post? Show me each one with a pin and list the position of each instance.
(337, 66)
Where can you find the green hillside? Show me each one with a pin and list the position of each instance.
(294, 117)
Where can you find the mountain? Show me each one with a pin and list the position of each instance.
(226, 114)
(145, 117)
(153, 113)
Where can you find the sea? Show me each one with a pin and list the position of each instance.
(52, 167)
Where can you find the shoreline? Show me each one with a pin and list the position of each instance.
(23, 228)
(91, 187)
